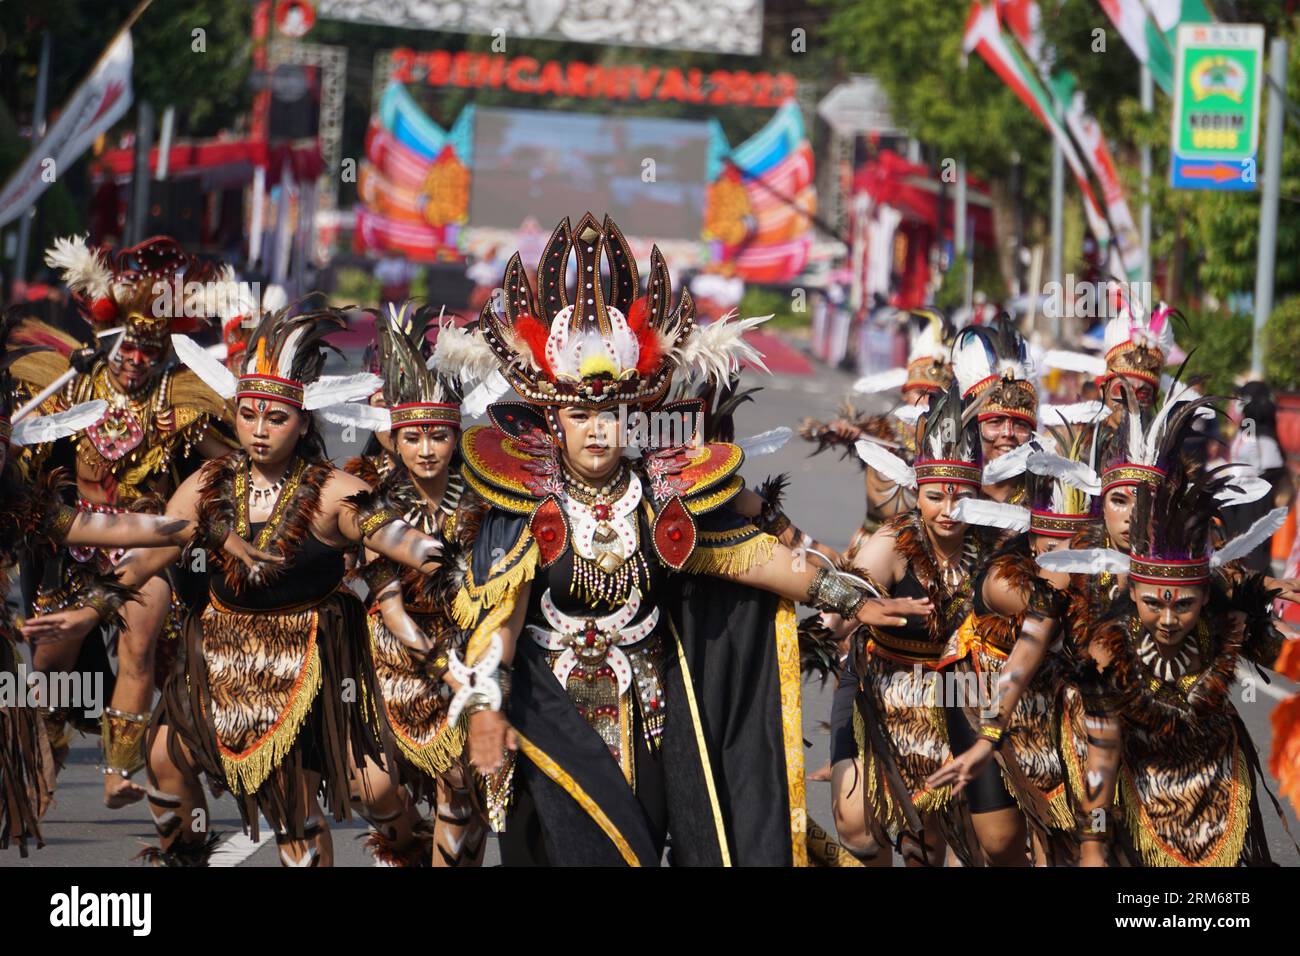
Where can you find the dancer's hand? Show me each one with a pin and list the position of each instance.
(962, 769)
(893, 612)
(252, 557)
(1289, 588)
(72, 624)
(490, 736)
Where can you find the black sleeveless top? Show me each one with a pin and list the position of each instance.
(307, 578)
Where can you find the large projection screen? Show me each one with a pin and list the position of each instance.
(547, 165)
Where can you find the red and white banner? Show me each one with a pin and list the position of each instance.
(94, 107)
(984, 36)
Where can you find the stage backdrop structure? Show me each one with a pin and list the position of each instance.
(434, 194)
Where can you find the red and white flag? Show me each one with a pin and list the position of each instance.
(984, 36)
(94, 107)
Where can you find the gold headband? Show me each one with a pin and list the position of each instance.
(1056, 525)
(270, 386)
(957, 472)
(425, 413)
(1162, 571)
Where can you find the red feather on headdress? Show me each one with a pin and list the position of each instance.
(651, 353)
(535, 334)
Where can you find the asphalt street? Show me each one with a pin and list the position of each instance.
(825, 499)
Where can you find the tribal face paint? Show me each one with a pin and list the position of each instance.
(1168, 613)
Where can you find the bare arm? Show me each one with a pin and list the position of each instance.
(395, 540)
(140, 564)
(90, 530)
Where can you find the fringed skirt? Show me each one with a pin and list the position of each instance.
(263, 698)
(903, 698)
(26, 763)
(415, 704)
(1031, 768)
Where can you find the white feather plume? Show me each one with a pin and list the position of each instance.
(484, 394)
(1251, 538)
(1084, 561)
(881, 381)
(83, 269)
(362, 416)
(764, 443)
(336, 389)
(1078, 413)
(909, 414)
(203, 364)
(39, 429)
(717, 349)
(463, 355)
(990, 514)
(1075, 362)
(1074, 473)
(889, 465)
(1008, 466)
(1244, 490)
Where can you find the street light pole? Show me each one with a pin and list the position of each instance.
(1271, 175)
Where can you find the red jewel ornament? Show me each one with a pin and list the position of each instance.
(601, 512)
(591, 636)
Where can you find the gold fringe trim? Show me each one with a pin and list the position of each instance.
(787, 659)
(570, 786)
(247, 771)
(702, 747)
(891, 815)
(470, 600)
(478, 641)
(442, 752)
(731, 559)
(1155, 852)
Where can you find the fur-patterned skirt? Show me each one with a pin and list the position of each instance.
(263, 698)
(904, 699)
(415, 704)
(1032, 731)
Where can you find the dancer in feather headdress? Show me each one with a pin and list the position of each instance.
(412, 630)
(1008, 658)
(888, 732)
(928, 372)
(992, 367)
(160, 423)
(610, 698)
(35, 524)
(1162, 767)
(274, 693)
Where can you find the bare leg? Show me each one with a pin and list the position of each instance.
(317, 849)
(133, 694)
(396, 825)
(1002, 836)
(932, 854)
(855, 837)
(460, 835)
(178, 807)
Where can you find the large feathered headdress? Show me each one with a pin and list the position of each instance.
(1174, 509)
(140, 287)
(603, 346)
(929, 358)
(33, 428)
(992, 362)
(947, 447)
(1138, 342)
(283, 362)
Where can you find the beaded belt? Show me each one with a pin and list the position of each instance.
(591, 641)
(86, 555)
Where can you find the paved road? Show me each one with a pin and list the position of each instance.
(826, 500)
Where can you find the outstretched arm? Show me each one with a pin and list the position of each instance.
(490, 734)
(382, 530)
(789, 576)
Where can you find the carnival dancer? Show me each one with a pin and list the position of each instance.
(992, 366)
(421, 418)
(612, 701)
(35, 522)
(1160, 737)
(928, 372)
(274, 694)
(1009, 657)
(888, 733)
(159, 425)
